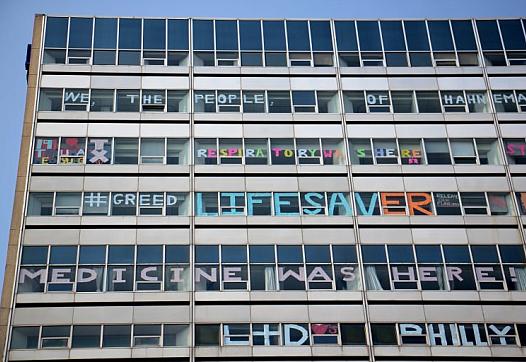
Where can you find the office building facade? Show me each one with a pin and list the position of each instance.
(270, 190)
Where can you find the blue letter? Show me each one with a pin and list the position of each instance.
(361, 206)
(309, 199)
(278, 203)
(251, 201)
(232, 203)
(199, 206)
(338, 198)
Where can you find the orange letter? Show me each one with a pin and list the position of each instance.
(386, 203)
(417, 205)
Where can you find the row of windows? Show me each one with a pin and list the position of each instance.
(100, 336)
(275, 151)
(268, 334)
(414, 43)
(274, 101)
(113, 268)
(273, 203)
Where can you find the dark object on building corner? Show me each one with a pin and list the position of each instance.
(28, 60)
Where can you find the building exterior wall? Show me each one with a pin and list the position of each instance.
(382, 220)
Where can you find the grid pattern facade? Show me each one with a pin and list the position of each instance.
(314, 190)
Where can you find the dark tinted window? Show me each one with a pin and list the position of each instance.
(392, 35)
(203, 33)
(154, 34)
(428, 254)
(206, 254)
(130, 33)
(34, 255)
(105, 33)
(464, 36)
(233, 254)
(456, 254)
(92, 254)
(489, 35)
(317, 254)
(56, 32)
(400, 254)
(176, 254)
(440, 35)
(344, 253)
(226, 35)
(289, 254)
(80, 30)
(321, 38)
(121, 254)
(149, 254)
(369, 35)
(416, 34)
(178, 34)
(384, 334)
(373, 254)
(484, 254)
(512, 253)
(298, 35)
(346, 35)
(250, 35)
(63, 255)
(512, 34)
(274, 33)
(262, 254)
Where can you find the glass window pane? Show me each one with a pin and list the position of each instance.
(369, 35)
(512, 34)
(177, 101)
(250, 35)
(203, 34)
(207, 334)
(298, 35)
(104, 57)
(256, 151)
(207, 254)
(80, 30)
(279, 102)
(102, 100)
(154, 34)
(290, 254)
(34, 255)
(50, 99)
(40, 204)
(24, 337)
(464, 36)
(374, 254)
(282, 151)
(128, 100)
(86, 336)
(130, 33)
(437, 152)
(354, 102)
(346, 36)
(428, 102)
(175, 335)
(384, 334)
(274, 35)
(403, 102)
(440, 34)
(178, 34)
(116, 336)
(56, 32)
(233, 254)
(416, 34)
(226, 35)
(126, 150)
(393, 35)
(321, 37)
(105, 33)
(67, 203)
(63, 255)
(92, 254)
(489, 35)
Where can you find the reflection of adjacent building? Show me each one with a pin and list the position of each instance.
(198, 190)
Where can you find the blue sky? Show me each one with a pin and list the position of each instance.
(16, 21)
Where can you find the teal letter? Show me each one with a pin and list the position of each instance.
(278, 203)
(251, 201)
(199, 206)
(232, 203)
(309, 199)
(361, 206)
(339, 199)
